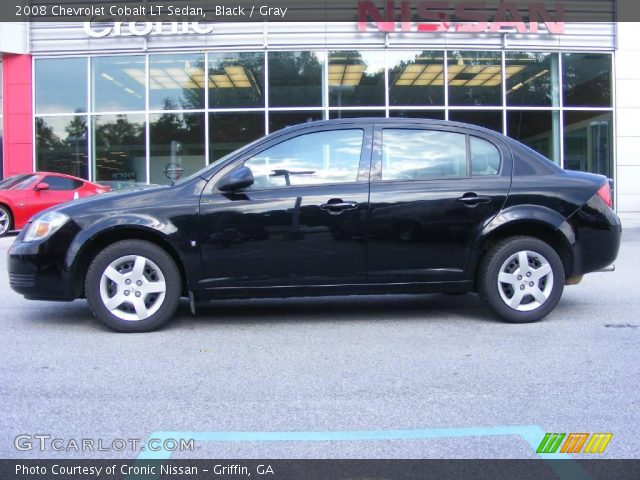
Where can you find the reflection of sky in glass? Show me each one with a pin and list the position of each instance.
(422, 154)
(315, 158)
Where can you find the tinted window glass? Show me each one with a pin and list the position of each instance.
(356, 79)
(61, 85)
(229, 131)
(295, 79)
(586, 79)
(175, 81)
(62, 146)
(416, 78)
(311, 159)
(423, 154)
(236, 80)
(475, 78)
(59, 183)
(118, 83)
(485, 157)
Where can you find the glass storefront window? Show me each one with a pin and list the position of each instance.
(588, 141)
(540, 130)
(118, 83)
(236, 80)
(433, 114)
(475, 78)
(176, 82)
(177, 147)
(356, 79)
(61, 85)
(120, 153)
(586, 79)
(491, 119)
(295, 79)
(61, 145)
(230, 131)
(280, 120)
(532, 79)
(416, 78)
(355, 113)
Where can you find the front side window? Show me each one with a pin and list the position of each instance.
(60, 183)
(311, 159)
(485, 157)
(423, 154)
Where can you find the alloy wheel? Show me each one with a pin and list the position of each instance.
(4, 221)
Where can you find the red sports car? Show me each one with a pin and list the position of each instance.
(22, 196)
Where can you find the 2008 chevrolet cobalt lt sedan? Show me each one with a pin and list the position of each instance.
(361, 206)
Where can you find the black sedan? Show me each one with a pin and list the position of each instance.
(361, 206)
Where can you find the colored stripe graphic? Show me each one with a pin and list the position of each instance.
(574, 443)
(598, 442)
(550, 443)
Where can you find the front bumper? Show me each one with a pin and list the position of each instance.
(38, 270)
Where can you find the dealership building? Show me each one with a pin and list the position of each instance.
(121, 102)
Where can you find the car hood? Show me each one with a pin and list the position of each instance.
(110, 201)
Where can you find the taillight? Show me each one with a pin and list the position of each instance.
(605, 194)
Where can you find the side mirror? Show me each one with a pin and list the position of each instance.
(42, 186)
(236, 180)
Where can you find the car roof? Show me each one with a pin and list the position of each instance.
(427, 122)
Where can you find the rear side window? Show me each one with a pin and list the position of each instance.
(317, 158)
(423, 154)
(61, 183)
(485, 157)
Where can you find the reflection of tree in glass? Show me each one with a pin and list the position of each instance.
(45, 134)
(295, 78)
(118, 132)
(531, 85)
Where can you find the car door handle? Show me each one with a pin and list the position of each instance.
(472, 199)
(335, 206)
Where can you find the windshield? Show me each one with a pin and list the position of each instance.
(11, 182)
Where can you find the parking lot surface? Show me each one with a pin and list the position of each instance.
(430, 376)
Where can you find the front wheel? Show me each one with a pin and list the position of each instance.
(521, 279)
(5, 220)
(133, 286)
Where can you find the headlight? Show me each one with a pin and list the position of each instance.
(44, 226)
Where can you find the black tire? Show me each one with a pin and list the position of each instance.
(490, 291)
(8, 225)
(157, 256)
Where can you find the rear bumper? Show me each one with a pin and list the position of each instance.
(37, 269)
(598, 233)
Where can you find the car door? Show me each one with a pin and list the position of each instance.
(432, 191)
(301, 222)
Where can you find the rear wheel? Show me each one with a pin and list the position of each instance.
(521, 279)
(133, 286)
(6, 220)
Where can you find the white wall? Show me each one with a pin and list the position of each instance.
(628, 116)
(14, 37)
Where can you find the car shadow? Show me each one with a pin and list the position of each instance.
(379, 308)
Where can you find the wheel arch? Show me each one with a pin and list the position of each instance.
(100, 240)
(533, 221)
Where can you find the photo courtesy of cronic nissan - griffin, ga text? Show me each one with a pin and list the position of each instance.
(342, 207)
